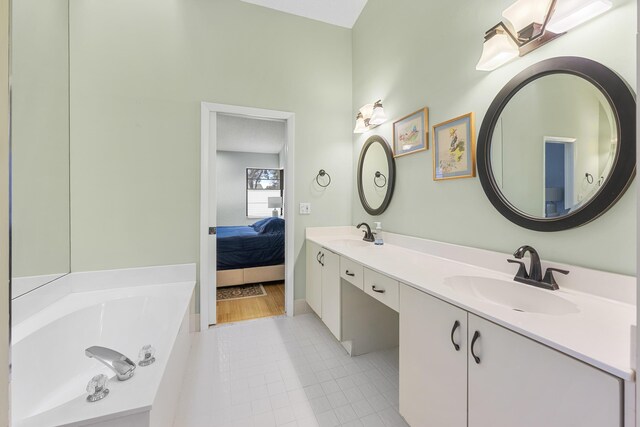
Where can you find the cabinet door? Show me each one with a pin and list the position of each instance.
(331, 292)
(314, 277)
(433, 374)
(520, 382)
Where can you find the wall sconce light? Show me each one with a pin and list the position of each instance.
(529, 24)
(370, 116)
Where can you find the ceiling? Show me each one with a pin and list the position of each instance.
(343, 13)
(250, 135)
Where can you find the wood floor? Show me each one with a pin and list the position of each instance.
(252, 308)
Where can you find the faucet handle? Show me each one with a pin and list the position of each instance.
(548, 276)
(97, 388)
(146, 355)
(522, 270)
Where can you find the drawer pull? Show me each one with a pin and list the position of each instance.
(476, 335)
(380, 291)
(349, 274)
(456, 325)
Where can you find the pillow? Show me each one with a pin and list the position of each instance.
(269, 225)
(258, 225)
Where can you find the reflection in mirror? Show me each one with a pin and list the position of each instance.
(376, 175)
(40, 248)
(374, 172)
(554, 146)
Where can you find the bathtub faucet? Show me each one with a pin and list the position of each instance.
(117, 362)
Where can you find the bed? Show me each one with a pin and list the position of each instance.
(250, 254)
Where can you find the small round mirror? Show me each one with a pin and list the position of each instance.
(376, 175)
(557, 147)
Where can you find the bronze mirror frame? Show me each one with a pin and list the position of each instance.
(391, 179)
(623, 104)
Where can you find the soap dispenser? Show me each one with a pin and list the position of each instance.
(378, 234)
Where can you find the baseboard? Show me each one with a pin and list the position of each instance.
(300, 306)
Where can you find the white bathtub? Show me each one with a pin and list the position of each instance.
(50, 370)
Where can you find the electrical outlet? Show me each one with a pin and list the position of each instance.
(305, 208)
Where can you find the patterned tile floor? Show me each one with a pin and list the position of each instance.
(286, 371)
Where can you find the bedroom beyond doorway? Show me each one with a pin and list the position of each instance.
(250, 232)
(250, 302)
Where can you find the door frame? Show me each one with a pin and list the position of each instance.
(208, 205)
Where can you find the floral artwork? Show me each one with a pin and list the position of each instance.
(454, 148)
(410, 133)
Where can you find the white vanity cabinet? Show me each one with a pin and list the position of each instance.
(314, 277)
(514, 382)
(331, 314)
(323, 285)
(519, 382)
(433, 372)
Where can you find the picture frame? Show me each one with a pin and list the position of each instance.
(411, 133)
(454, 148)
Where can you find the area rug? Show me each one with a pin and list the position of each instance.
(240, 292)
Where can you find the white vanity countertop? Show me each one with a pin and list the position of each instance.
(598, 334)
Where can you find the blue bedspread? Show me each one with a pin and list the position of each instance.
(243, 247)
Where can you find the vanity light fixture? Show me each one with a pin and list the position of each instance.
(370, 116)
(499, 48)
(529, 24)
(571, 13)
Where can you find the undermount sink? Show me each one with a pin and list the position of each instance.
(516, 296)
(351, 243)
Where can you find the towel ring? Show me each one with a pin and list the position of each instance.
(589, 177)
(323, 173)
(378, 175)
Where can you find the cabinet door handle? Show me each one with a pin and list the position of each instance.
(318, 257)
(476, 335)
(322, 259)
(349, 274)
(456, 325)
(380, 291)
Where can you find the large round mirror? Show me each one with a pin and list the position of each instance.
(376, 175)
(557, 146)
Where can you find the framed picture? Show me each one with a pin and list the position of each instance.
(454, 148)
(411, 133)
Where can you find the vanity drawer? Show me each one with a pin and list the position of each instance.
(382, 288)
(352, 272)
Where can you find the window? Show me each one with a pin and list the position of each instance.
(262, 184)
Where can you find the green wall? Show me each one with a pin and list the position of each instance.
(415, 53)
(139, 71)
(40, 137)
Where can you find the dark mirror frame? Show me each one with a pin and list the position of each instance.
(391, 179)
(623, 104)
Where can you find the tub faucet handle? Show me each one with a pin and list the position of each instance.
(146, 355)
(97, 388)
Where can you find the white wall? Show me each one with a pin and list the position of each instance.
(425, 55)
(139, 70)
(231, 179)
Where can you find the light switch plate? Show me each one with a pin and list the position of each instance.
(305, 208)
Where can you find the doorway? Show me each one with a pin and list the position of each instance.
(558, 176)
(211, 117)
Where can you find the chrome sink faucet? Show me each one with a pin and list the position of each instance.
(534, 276)
(117, 362)
(368, 235)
